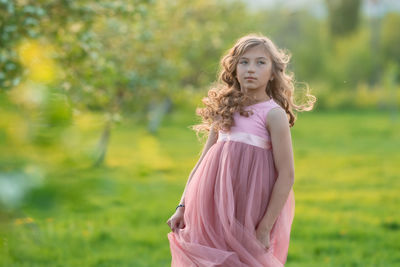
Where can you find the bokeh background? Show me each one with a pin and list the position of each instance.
(96, 101)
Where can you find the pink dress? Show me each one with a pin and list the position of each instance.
(227, 198)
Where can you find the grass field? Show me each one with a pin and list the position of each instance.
(347, 192)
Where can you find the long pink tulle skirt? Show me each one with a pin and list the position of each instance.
(224, 202)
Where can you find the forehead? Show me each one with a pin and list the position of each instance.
(257, 51)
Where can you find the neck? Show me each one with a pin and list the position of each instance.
(260, 97)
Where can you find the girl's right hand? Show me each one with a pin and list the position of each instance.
(176, 221)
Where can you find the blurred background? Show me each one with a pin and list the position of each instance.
(96, 100)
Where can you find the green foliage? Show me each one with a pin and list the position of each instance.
(141, 58)
(53, 117)
(344, 69)
(390, 38)
(16, 22)
(119, 56)
(343, 16)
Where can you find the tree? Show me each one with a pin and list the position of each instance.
(343, 16)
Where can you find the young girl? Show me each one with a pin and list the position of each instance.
(238, 205)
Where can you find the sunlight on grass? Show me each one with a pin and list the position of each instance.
(346, 193)
(146, 153)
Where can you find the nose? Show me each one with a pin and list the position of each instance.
(250, 68)
(250, 71)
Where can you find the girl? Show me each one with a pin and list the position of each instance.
(238, 204)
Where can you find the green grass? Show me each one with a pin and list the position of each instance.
(346, 190)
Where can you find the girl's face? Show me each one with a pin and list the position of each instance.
(254, 70)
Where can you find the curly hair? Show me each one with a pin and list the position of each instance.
(226, 97)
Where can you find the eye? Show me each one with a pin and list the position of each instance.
(262, 62)
(243, 62)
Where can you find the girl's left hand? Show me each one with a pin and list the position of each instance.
(263, 236)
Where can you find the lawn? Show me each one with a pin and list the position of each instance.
(346, 190)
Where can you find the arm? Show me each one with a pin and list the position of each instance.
(212, 138)
(279, 129)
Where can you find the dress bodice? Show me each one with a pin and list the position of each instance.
(255, 124)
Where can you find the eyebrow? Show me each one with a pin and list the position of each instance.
(258, 57)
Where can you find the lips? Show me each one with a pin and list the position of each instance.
(249, 78)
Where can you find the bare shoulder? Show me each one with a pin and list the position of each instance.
(276, 119)
(278, 127)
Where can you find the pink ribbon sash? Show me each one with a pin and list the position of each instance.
(247, 138)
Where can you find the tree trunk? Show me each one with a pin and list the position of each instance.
(156, 114)
(103, 144)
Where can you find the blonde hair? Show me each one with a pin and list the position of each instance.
(226, 97)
